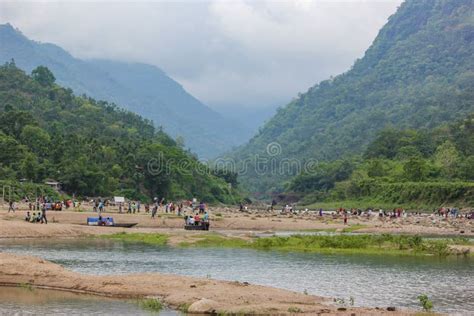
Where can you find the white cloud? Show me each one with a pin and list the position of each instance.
(224, 52)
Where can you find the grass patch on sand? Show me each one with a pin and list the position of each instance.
(333, 244)
(215, 240)
(317, 230)
(150, 304)
(338, 244)
(363, 244)
(353, 228)
(184, 307)
(26, 286)
(151, 239)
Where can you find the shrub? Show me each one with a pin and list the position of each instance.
(425, 302)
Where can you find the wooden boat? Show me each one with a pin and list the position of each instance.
(107, 222)
(201, 226)
(126, 225)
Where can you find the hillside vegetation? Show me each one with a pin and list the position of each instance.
(417, 74)
(93, 147)
(400, 167)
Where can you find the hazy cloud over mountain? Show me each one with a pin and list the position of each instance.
(251, 53)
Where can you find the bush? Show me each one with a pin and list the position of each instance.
(425, 302)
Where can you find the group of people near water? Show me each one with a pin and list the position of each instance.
(382, 214)
(197, 219)
(36, 217)
(167, 207)
(37, 209)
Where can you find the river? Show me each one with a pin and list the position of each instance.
(371, 280)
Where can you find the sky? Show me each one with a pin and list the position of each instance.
(229, 54)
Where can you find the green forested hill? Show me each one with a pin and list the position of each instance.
(92, 147)
(141, 88)
(418, 73)
(400, 167)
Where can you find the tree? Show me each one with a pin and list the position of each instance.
(385, 145)
(415, 169)
(10, 150)
(43, 76)
(466, 169)
(13, 121)
(376, 168)
(36, 139)
(447, 157)
(30, 168)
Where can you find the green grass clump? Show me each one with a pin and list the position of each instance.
(151, 239)
(353, 228)
(294, 310)
(343, 244)
(363, 244)
(214, 240)
(26, 286)
(150, 304)
(332, 244)
(184, 307)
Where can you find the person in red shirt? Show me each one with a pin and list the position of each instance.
(197, 219)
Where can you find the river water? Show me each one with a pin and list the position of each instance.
(22, 301)
(370, 280)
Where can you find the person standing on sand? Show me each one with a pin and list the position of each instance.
(154, 210)
(43, 215)
(180, 209)
(101, 206)
(345, 218)
(11, 207)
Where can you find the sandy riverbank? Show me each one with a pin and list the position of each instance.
(202, 295)
(230, 221)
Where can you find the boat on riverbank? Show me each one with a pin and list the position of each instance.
(201, 226)
(107, 222)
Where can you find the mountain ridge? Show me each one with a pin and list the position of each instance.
(164, 101)
(92, 147)
(417, 73)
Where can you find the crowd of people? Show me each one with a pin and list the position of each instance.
(382, 214)
(195, 213)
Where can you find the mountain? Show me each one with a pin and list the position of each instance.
(418, 73)
(250, 118)
(92, 147)
(143, 89)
